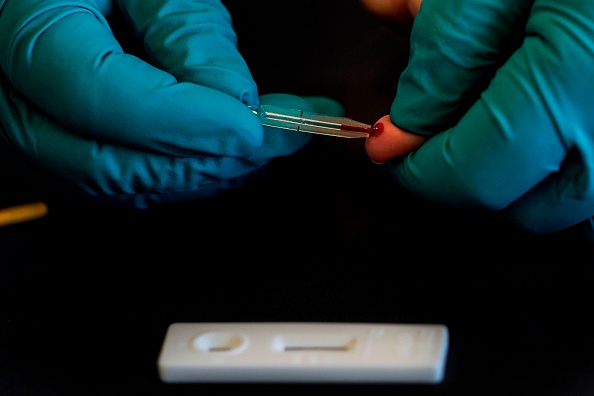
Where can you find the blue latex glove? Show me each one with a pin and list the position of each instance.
(504, 89)
(80, 113)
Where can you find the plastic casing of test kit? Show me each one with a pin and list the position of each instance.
(303, 352)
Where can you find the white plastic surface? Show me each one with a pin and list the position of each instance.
(303, 352)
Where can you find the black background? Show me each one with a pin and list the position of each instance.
(87, 292)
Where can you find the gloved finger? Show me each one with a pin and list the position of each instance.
(109, 173)
(529, 136)
(64, 58)
(488, 160)
(456, 48)
(194, 41)
(122, 175)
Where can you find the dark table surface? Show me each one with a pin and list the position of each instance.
(87, 292)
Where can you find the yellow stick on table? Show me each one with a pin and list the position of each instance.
(22, 213)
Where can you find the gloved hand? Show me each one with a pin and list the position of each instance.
(82, 113)
(500, 92)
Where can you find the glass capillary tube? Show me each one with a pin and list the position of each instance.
(310, 122)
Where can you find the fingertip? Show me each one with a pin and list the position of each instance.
(389, 141)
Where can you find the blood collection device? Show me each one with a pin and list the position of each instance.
(303, 352)
(309, 122)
